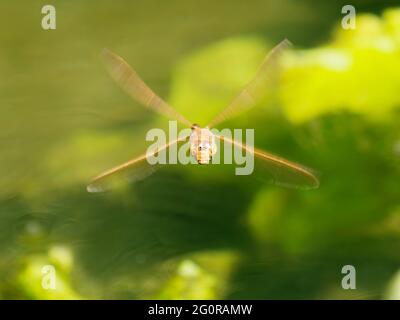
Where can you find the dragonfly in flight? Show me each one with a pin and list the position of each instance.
(202, 140)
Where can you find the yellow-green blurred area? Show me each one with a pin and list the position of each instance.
(197, 232)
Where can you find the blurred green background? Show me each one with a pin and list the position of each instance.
(190, 232)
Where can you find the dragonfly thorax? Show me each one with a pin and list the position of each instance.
(202, 144)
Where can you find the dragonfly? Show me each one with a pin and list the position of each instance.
(202, 141)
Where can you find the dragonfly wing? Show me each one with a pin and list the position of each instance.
(129, 80)
(264, 79)
(133, 170)
(277, 170)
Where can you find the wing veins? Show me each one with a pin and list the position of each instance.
(130, 163)
(128, 79)
(275, 159)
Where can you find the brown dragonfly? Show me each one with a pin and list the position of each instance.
(202, 140)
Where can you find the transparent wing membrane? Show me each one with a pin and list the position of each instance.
(277, 170)
(130, 81)
(130, 171)
(266, 165)
(264, 79)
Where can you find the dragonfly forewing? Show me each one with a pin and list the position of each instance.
(277, 170)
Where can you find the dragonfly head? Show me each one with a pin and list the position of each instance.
(203, 145)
